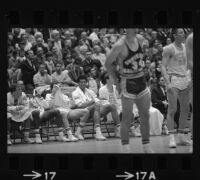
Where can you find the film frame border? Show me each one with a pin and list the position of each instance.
(163, 163)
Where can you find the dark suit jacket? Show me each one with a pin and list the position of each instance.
(28, 72)
(157, 96)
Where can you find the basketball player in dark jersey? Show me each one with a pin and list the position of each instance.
(125, 65)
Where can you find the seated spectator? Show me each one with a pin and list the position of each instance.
(40, 56)
(159, 100)
(56, 57)
(57, 43)
(86, 98)
(158, 96)
(42, 80)
(75, 69)
(94, 80)
(18, 111)
(50, 44)
(14, 74)
(28, 45)
(49, 62)
(61, 102)
(100, 56)
(39, 43)
(87, 63)
(28, 69)
(108, 92)
(44, 113)
(21, 56)
(168, 41)
(12, 59)
(62, 77)
(29, 35)
(158, 69)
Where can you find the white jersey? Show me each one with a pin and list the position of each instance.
(177, 63)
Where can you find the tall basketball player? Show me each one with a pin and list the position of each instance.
(174, 70)
(125, 65)
(189, 55)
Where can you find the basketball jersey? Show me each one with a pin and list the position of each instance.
(133, 64)
(178, 62)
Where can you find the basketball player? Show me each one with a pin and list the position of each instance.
(189, 54)
(174, 70)
(125, 65)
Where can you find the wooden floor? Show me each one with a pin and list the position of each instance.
(111, 145)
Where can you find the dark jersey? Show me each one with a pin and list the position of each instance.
(133, 64)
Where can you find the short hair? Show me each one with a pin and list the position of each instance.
(48, 54)
(26, 52)
(13, 87)
(60, 63)
(81, 77)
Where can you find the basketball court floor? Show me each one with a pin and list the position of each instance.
(111, 145)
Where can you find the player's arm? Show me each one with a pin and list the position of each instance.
(165, 61)
(111, 58)
(189, 51)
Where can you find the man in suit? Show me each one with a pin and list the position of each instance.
(159, 100)
(28, 70)
(158, 96)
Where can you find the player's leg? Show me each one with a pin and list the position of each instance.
(83, 115)
(172, 107)
(143, 104)
(127, 108)
(184, 99)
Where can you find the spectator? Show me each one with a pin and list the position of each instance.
(85, 40)
(159, 97)
(62, 77)
(99, 56)
(75, 69)
(88, 63)
(14, 74)
(50, 44)
(68, 111)
(57, 43)
(49, 62)
(28, 69)
(42, 80)
(168, 41)
(30, 36)
(39, 43)
(94, 80)
(56, 57)
(28, 45)
(85, 98)
(62, 103)
(108, 92)
(40, 57)
(18, 111)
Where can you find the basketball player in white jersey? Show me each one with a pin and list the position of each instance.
(174, 70)
(125, 65)
(189, 55)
